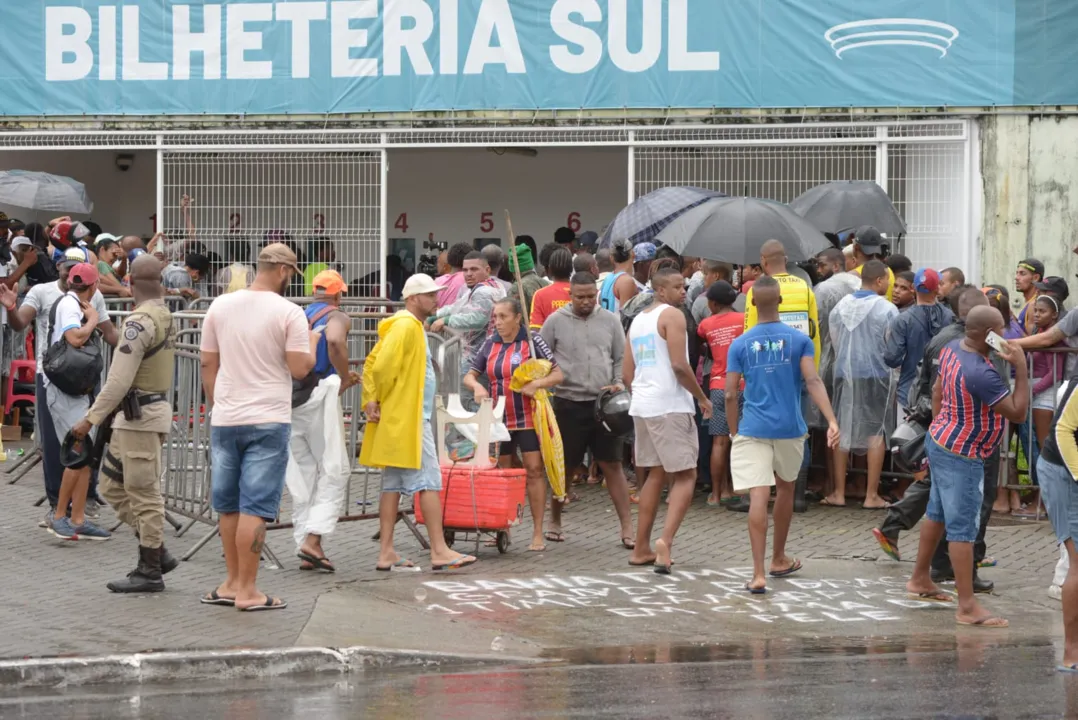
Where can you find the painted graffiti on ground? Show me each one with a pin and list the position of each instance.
(691, 592)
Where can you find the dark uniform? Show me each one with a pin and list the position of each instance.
(142, 372)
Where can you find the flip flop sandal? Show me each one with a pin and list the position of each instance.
(888, 547)
(554, 536)
(541, 548)
(939, 597)
(987, 562)
(788, 571)
(462, 561)
(755, 591)
(984, 623)
(402, 564)
(646, 563)
(628, 543)
(271, 603)
(320, 563)
(214, 599)
(713, 503)
(827, 503)
(1067, 668)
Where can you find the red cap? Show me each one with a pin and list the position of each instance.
(83, 274)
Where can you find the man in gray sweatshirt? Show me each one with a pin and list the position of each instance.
(588, 343)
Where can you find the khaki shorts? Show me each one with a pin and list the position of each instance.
(754, 462)
(667, 441)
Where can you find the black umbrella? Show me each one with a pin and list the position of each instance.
(733, 229)
(836, 206)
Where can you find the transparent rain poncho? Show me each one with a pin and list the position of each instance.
(828, 293)
(863, 397)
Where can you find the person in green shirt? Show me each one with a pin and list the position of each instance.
(322, 255)
(108, 251)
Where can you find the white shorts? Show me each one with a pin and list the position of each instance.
(754, 462)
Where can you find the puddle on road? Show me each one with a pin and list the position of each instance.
(789, 649)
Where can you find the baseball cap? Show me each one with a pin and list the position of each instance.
(21, 241)
(330, 281)
(278, 254)
(83, 274)
(643, 252)
(588, 240)
(869, 239)
(420, 284)
(926, 280)
(1055, 285)
(74, 255)
(134, 253)
(1033, 265)
(105, 237)
(722, 292)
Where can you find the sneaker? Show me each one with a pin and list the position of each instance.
(89, 531)
(63, 529)
(46, 522)
(93, 509)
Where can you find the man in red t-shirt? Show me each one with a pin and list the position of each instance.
(556, 296)
(719, 331)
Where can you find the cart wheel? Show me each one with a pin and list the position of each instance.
(503, 542)
(450, 537)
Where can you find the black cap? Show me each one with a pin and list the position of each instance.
(1034, 265)
(1055, 285)
(869, 239)
(721, 293)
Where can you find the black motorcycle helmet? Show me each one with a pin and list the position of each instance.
(908, 446)
(76, 453)
(612, 412)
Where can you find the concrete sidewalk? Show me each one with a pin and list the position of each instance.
(53, 601)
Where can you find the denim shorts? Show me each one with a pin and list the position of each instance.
(409, 481)
(718, 426)
(957, 492)
(1060, 497)
(248, 465)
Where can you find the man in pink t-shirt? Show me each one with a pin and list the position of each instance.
(254, 343)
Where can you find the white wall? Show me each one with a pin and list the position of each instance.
(123, 201)
(446, 192)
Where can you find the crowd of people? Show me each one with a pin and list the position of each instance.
(729, 372)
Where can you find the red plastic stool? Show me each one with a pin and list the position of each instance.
(23, 371)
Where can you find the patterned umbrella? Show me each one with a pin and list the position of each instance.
(836, 206)
(42, 191)
(649, 214)
(733, 229)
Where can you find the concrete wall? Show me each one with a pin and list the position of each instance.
(1030, 171)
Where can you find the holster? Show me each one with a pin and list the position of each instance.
(101, 440)
(131, 407)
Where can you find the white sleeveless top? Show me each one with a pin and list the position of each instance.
(655, 390)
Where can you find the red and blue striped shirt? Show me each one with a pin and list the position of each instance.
(497, 360)
(966, 424)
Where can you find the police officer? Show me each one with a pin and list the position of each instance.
(135, 400)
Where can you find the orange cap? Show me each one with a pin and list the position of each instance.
(330, 281)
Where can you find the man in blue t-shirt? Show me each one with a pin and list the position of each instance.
(776, 361)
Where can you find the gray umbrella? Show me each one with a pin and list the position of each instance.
(642, 220)
(43, 191)
(732, 229)
(836, 206)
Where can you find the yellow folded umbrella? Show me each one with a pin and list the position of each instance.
(546, 425)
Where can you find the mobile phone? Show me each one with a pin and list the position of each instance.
(996, 342)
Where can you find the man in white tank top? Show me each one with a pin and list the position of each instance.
(657, 371)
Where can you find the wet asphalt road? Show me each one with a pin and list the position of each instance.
(974, 675)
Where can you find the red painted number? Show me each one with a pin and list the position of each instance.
(573, 223)
(402, 222)
(320, 221)
(486, 222)
(234, 221)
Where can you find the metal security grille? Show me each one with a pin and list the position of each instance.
(313, 200)
(927, 183)
(778, 173)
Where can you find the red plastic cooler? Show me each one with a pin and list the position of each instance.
(499, 496)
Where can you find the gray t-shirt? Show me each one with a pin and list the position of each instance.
(41, 298)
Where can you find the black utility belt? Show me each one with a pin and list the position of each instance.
(152, 398)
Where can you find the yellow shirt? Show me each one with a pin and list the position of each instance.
(797, 309)
(890, 282)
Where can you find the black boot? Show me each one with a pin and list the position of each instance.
(145, 578)
(168, 562)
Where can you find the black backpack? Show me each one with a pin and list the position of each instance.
(303, 389)
(73, 370)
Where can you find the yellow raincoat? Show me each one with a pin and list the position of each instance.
(394, 374)
(546, 425)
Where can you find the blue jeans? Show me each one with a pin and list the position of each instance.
(957, 492)
(248, 464)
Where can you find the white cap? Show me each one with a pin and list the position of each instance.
(848, 250)
(420, 284)
(21, 241)
(106, 236)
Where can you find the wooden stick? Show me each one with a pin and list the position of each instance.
(525, 311)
